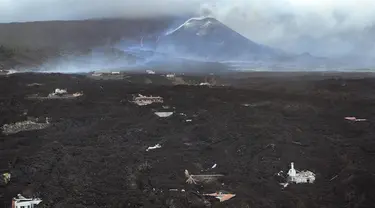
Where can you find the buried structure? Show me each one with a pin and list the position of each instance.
(57, 94)
(202, 179)
(24, 126)
(163, 114)
(22, 202)
(94, 154)
(147, 100)
(296, 176)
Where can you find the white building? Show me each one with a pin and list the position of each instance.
(300, 176)
(22, 202)
(150, 72)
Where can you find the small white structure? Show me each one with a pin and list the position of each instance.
(194, 179)
(204, 84)
(147, 100)
(77, 94)
(115, 73)
(150, 72)
(163, 114)
(296, 176)
(63, 93)
(96, 74)
(355, 119)
(34, 84)
(22, 202)
(11, 71)
(59, 91)
(157, 146)
(292, 172)
(14, 128)
(171, 75)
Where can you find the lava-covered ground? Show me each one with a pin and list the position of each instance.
(94, 153)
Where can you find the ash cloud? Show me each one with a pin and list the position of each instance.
(321, 27)
(42, 10)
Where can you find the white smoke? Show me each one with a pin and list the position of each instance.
(321, 27)
(41, 10)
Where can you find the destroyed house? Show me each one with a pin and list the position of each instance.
(22, 202)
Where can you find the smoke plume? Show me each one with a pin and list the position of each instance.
(321, 27)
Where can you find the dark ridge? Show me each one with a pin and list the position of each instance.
(77, 34)
(210, 39)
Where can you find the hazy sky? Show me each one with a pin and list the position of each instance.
(36, 10)
(322, 27)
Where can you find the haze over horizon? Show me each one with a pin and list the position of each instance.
(321, 27)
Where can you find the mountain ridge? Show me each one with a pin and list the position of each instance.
(209, 38)
(199, 39)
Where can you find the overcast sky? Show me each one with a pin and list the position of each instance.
(337, 26)
(36, 10)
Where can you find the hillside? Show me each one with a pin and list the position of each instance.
(209, 39)
(34, 42)
(96, 44)
(76, 34)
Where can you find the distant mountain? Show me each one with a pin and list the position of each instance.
(198, 44)
(201, 40)
(35, 43)
(206, 38)
(77, 34)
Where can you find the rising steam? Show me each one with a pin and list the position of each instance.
(328, 28)
(321, 27)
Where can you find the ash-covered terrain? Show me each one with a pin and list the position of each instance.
(164, 113)
(100, 149)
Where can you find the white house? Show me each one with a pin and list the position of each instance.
(22, 202)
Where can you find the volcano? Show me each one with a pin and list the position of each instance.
(207, 39)
(204, 41)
